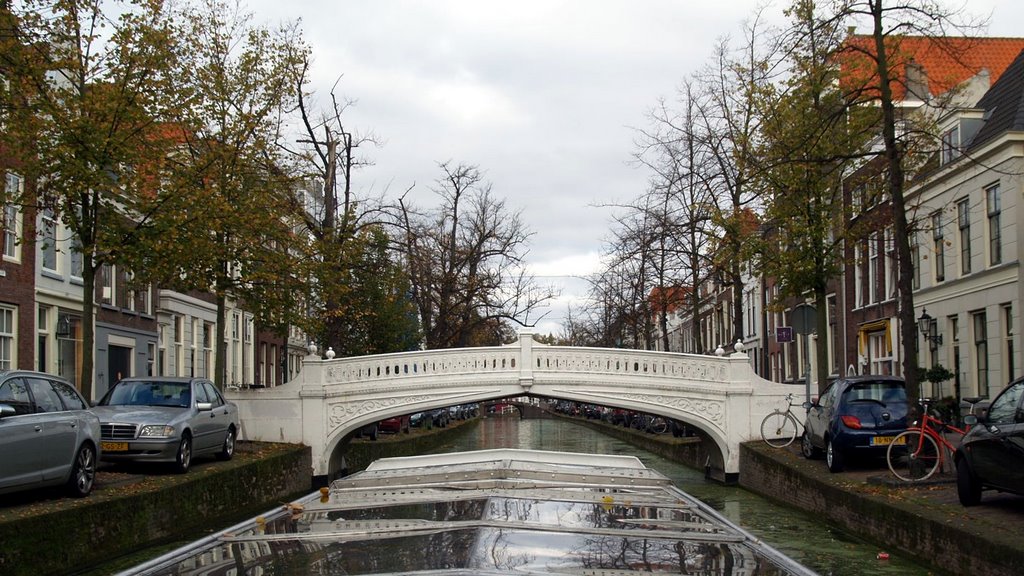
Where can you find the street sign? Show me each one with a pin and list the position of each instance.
(783, 334)
(805, 318)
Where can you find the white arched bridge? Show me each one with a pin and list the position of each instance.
(719, 395)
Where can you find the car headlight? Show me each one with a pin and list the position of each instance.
(156, 430)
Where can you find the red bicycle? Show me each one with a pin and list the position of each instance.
(917, 453)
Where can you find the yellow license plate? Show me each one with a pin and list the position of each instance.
(886, 440)
(114, 446)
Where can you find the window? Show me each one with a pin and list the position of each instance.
(1005, 408)
(208, 335)
(939, 247)
(873, 268)
(14, 186)
(131, 295)
(963, 221)
(7, 348)
(1011, 369)
(890, 265)
(915, 257)
(993, 209)
(76, 258)
(150, 358)
(951, 144)
(48, 245)
(881, 353)
(179, 346)
(107, 282)
(981, 352)
(43, 339)
(858, 275)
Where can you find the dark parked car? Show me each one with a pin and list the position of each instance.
(855, 416)
(48, 437)
(166, 419)
(991, 455)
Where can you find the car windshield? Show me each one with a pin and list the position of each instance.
(148, 393)
(883, 391)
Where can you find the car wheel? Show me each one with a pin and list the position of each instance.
(968, 489)
(83, 472)
(834, 457)
(228, 449)
(808, 449)
(184, 458)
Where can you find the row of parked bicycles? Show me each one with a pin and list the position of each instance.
(868, 416)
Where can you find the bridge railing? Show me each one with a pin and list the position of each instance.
(630, 362)
(423, 363)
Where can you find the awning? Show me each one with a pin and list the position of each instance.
(872, 327)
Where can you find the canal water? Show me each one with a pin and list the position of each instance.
(801, 536)
(817, 545)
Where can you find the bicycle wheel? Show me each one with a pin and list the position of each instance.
(778, 429)
(913, 456)
(659, 425)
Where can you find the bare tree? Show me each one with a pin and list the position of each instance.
(465, 261)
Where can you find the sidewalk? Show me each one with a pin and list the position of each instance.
(924, 520)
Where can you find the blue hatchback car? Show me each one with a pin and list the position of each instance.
(855, 416)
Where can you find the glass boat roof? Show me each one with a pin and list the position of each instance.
(488, 512)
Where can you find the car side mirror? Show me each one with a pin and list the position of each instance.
(971, 420)
(7, 410)
(807, 405)
(204, 406)
(814, 401)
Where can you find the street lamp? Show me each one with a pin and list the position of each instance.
(929, 329)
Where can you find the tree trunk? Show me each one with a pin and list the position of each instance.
(88, 326)
(894, 166)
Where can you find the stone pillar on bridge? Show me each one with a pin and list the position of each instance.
(526, 359)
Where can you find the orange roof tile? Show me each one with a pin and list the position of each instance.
(947, 62)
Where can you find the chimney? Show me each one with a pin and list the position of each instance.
(917, 81)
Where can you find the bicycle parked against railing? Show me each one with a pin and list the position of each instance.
(917, 453)
(780, 427)
(650, 423)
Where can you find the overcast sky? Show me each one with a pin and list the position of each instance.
(543, 96)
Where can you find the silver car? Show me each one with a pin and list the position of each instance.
(166, 419)
(48, 437)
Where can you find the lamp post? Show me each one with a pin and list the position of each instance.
(929, 329)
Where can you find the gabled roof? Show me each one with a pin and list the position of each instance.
(1003, 104)
(946, 62)
(670, 297)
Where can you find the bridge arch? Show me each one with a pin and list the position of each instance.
(721, 396)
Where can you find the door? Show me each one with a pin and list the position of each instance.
(818, 416)
(119, 363)
(59, 429)
(999, 450)
(20, 439)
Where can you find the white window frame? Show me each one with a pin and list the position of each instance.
(48, 243)
(8, 337)
(12, 218)
(939, 247)
(108, 286)
(874, 294)
(963, 222)
(993, 211)
(951, 144)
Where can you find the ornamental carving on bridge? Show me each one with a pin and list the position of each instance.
(711, 410)
(343, 411)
